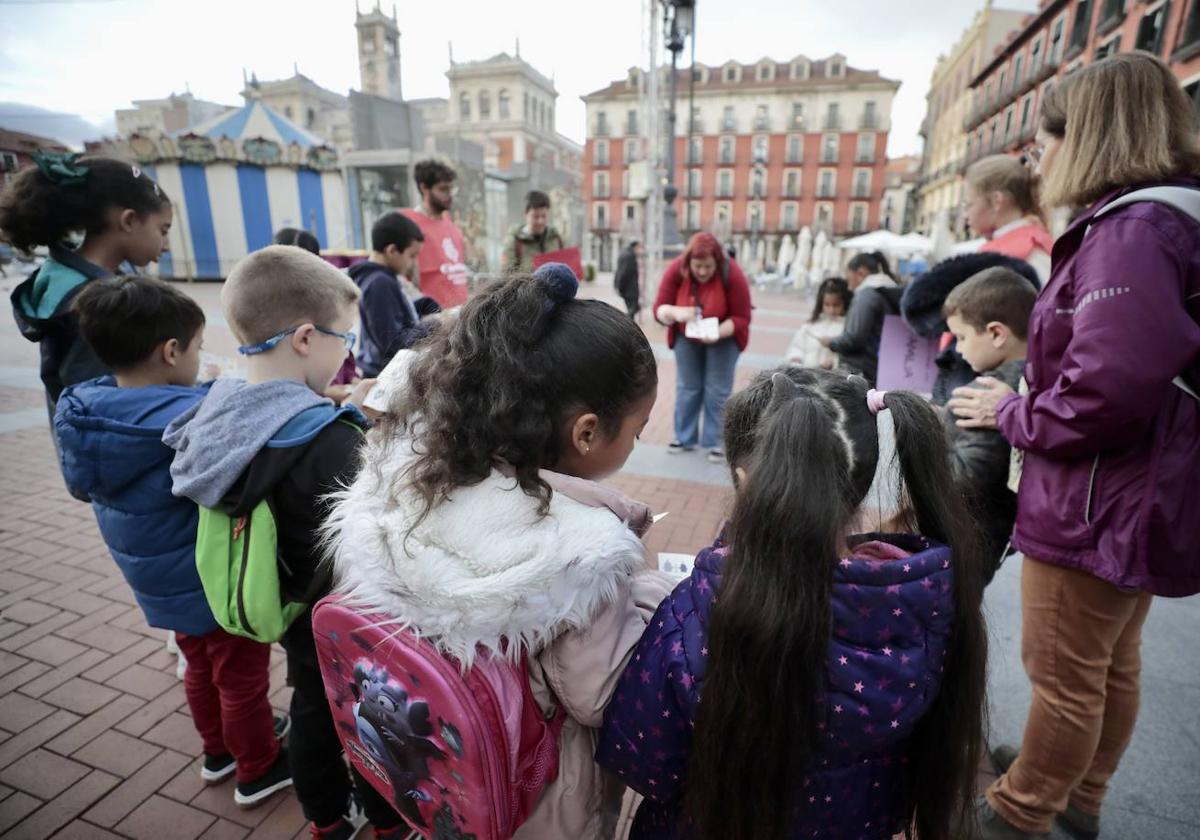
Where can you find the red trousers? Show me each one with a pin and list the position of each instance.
(226, 683)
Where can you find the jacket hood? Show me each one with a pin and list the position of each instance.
(362, 270)
(482, 568)
(921, 304)
(879, 281)
(218, 438)
(112, 437)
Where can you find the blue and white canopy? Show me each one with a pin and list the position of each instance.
(256, 120)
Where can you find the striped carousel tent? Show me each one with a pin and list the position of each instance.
(237, 179)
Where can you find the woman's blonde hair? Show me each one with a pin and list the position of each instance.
(1124, 120)
(1003, 173)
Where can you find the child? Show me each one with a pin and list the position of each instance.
(275, 438)
(1000, 202)
(477, 520)
(828, 321)
(110, 430)
(124, 216)
(843, 676)
(347, 376)
(390, 321)
(989, 318)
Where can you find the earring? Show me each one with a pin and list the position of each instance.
(586, 450)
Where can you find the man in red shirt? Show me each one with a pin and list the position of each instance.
(442, 261)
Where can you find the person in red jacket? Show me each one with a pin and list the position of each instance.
(1001, 204)
(704, 300)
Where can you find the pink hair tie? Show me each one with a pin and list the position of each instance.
(875, 401)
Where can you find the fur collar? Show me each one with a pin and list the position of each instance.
(482, 567)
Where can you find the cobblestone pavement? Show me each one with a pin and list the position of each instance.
(95, 739)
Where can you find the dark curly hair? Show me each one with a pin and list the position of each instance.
(430, 173)
(497, 382)
(34, 210)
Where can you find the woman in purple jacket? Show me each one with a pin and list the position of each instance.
(1109, 501)
(843, 676)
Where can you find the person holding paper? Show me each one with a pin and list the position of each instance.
(704, 300)
(534, 236)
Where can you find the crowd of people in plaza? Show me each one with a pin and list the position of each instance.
(823, 669)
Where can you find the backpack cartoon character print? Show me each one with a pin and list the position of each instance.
(395, 733)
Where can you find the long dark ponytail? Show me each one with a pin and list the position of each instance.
(875, 262)
(809, 445)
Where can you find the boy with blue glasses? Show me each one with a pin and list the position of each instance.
(275, 438)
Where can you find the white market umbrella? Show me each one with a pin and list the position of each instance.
(833, 260)
(804, 250)
(787, 254)
(879, 240)
(760, 256)
(915, 243)
(942, 244)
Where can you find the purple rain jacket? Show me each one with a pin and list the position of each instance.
(893, 609)
(1111, 482)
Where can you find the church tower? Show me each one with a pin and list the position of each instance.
(379, 53)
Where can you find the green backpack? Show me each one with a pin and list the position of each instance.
(238, 562)
(238, 557)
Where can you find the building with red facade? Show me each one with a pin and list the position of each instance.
(774, 147)
(1061, 36)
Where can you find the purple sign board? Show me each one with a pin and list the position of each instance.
(906, 361)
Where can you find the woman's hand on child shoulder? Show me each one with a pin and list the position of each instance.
(975, 405)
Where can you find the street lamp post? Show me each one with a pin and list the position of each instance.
(678, 23)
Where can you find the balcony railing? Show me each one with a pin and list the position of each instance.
(601, 129)
(695, 160)
(829, 157)
(697, 127)
(631, 129)
(794, 158)
(826, 192)
(601, 192)
(727, 159)
(600, 160)
(833, 122)
(694, 191)
(762, 123)
(869, 122)
(791, 192)
(797, 121)
(724, 192)
(728, 124)
(861, 192)
(864, 157)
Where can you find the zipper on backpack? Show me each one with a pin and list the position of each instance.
(244, 530)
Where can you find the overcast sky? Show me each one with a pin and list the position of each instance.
(91, 57)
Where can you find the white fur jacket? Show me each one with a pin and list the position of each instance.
(572, 586)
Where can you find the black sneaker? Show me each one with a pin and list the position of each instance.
(347, 826)
(675, 448)
(282, 725)
(250, 794)
(217, 768)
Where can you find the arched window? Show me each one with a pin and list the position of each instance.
(485, 105)
(503, 103)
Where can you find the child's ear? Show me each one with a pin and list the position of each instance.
(584, 432)
(170, 352)
(302, 340)
(999, 333)
(126, 220)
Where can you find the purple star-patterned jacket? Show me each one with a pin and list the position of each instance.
(892, 607)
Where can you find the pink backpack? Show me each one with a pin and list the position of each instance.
(459, 755)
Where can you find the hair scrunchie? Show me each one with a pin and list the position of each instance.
(875, 401)
(560, 283)
(61, 169)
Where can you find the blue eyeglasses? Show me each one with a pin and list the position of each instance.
(263, 346)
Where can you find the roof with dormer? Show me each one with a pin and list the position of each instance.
(779, 78)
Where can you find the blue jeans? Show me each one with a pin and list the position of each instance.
(703, 378)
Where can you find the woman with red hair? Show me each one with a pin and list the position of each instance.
(703, 284)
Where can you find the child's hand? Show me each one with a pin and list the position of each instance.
(359, 395)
